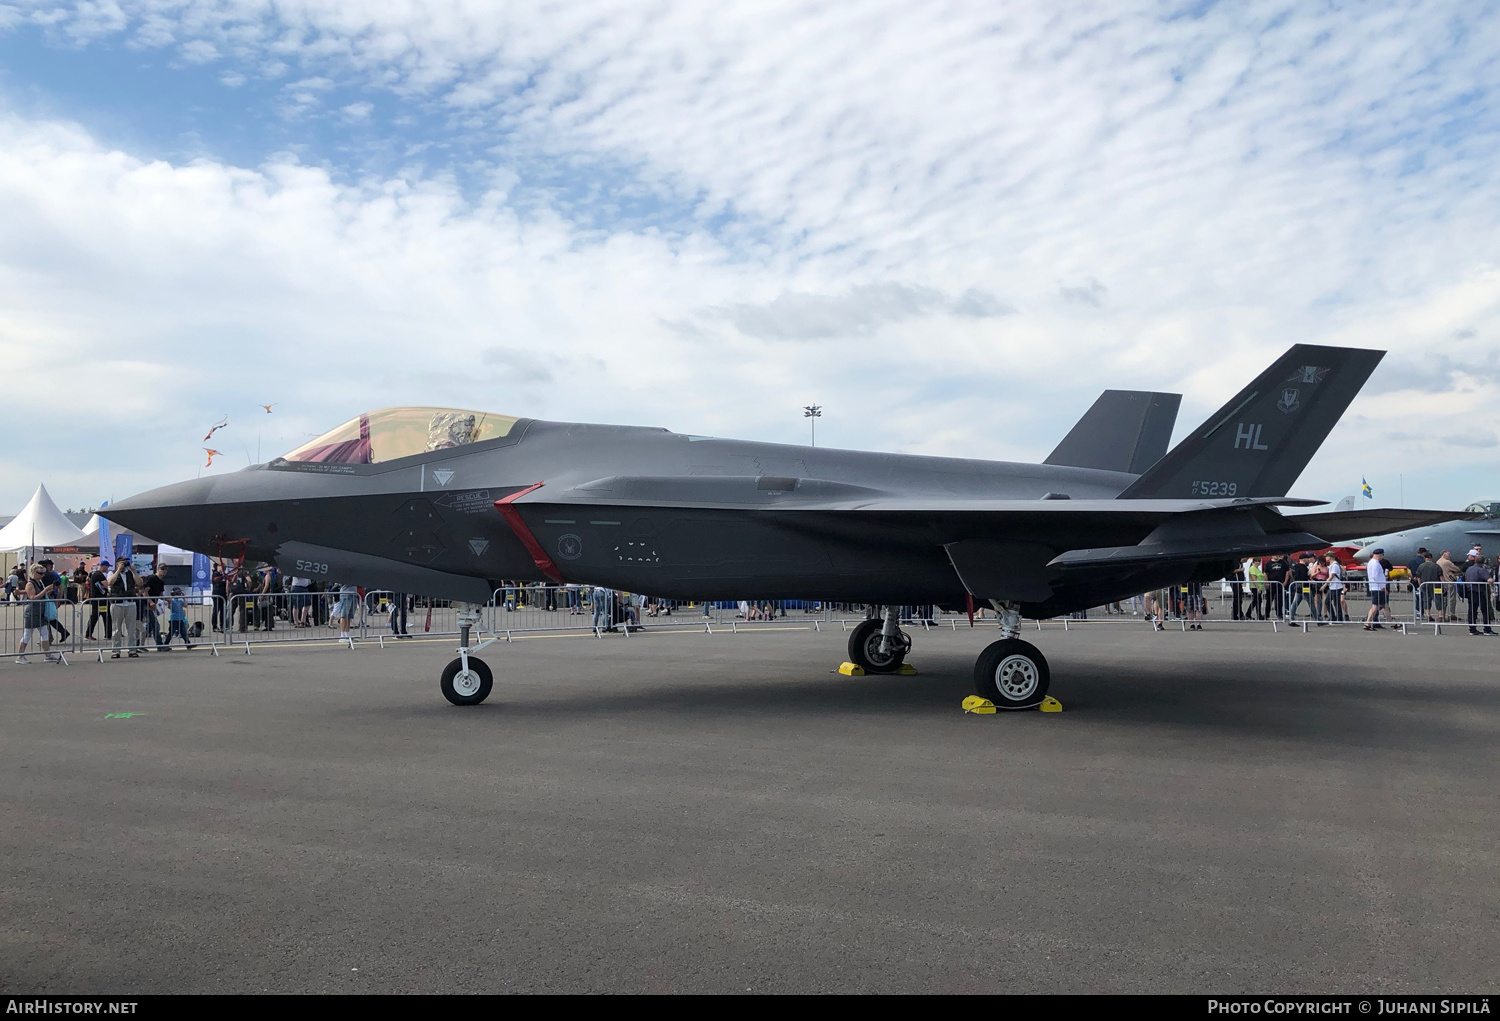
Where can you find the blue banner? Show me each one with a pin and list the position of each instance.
(202, 572)
(124, 544)
(105, 547)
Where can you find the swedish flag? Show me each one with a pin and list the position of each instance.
(1364, 487)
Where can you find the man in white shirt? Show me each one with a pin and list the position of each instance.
(1335, 600)
(1379, 595)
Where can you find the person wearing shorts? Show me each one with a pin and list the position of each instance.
(1380, 596)
(345, 609)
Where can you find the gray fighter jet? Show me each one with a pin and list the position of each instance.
(1480, 526)
(447, 503)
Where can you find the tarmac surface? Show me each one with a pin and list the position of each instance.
(1225, 811)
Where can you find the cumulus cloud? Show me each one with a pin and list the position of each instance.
(935, 192)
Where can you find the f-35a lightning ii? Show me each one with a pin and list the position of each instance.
(446, 503)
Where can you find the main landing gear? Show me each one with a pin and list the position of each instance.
(1011, 673)
(467, 680)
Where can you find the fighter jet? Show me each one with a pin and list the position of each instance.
(1478, 526)
(447, 502)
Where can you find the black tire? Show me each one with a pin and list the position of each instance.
(466, 693)
(1012, 674)
(864, 649)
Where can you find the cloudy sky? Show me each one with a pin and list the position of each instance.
(949, 223)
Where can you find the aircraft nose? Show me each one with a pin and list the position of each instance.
(171, 514)
(1363, 556)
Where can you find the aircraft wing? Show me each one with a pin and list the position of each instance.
(1340, 526)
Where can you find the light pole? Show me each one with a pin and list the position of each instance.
(814, 412)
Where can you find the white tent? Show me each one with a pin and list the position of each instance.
(92, 527)
(40, 524)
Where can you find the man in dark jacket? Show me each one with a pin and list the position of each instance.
(1477, 580)
(1276, 572)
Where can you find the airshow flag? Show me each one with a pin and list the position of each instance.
(1364, 488)
(105, 546)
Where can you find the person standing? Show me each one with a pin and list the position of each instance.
(98, 595)
(1427, 583)
(301, 601)
(1451, 574)
(1337, 610)
(219, 590)
(34, 618)
(602, 601)
(1477, 580)
(177, 622)
(344, 614)
(398, 615)
(1255, 578)
(122, 584)
(1276, 572)
(1297, 578)
(154, 585)
(1376, 573)
(53, 582)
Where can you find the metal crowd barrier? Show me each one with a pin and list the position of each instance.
(1456, 604)
(93, 626)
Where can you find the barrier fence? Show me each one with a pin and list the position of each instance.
(107, 626)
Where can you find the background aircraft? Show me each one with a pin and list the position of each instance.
(1480, 525)
(447, 503)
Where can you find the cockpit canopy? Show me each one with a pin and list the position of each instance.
(1489, 508)
(390, 433)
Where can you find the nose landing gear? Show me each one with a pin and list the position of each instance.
(467, 680)
(879, 646)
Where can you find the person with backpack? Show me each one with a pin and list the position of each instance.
(34, 618)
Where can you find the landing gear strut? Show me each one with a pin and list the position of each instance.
(1011, 673)
(879, 646)
(467, 680)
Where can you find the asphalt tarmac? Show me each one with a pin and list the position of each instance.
(1217, 811)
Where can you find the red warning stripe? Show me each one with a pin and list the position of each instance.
(513, 519)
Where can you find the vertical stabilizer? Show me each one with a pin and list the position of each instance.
(1125, 431)
(1259, 442)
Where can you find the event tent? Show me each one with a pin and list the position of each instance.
(40, 524)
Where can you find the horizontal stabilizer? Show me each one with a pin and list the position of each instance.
(1341, 526)
(1230, 547)
(1261, 440)
(1218, 534)
(1124, 431)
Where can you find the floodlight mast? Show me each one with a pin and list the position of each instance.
(813, 412)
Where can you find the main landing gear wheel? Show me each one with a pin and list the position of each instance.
(1012, 674)
(467, 687)
(864, 649)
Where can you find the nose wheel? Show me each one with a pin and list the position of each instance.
(467, 684)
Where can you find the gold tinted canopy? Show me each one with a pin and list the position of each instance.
(390, 433)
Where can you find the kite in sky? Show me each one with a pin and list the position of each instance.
(222, 423)
(268, 407)
(212, 453)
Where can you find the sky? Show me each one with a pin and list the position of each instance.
(950, 224)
